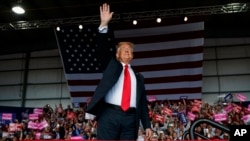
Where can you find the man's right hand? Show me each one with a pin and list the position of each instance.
(105, 14)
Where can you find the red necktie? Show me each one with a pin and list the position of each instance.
(126, 90)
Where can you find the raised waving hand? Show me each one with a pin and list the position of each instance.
(105, 14)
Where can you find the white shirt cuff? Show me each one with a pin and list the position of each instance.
(103, 29)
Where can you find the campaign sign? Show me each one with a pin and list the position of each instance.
(239, 132)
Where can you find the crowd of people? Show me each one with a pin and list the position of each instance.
(169, 121)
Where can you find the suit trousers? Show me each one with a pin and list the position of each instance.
(115, 124)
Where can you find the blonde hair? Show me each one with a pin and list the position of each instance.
(125, 43)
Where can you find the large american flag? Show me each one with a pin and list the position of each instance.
(169, 56)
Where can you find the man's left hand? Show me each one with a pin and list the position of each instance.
(148, 133)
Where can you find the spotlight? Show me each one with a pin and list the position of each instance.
(134, 22)
(17, 8)
(158, 20)
(80, 26)
(58, 28)
(185, 18)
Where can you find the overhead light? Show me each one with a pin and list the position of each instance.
(58, 28)
(18, 9)
(185, 18)
(134, 22)
(158, 20)
(80, 26)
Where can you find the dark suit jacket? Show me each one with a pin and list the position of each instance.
(112, 70)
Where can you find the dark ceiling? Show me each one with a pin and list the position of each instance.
(13, 41)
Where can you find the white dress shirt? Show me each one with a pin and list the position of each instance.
(114, 96)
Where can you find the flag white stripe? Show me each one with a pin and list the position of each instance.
(176, 72)
(169, 45)
(173, 85)
(167, 59)
(159, 30)
(149, 74)
(79, 99)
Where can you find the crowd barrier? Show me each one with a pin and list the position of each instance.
(192, 132)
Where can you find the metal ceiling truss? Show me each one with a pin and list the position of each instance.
(146, 15)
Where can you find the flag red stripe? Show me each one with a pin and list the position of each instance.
(169, 66)
(174, 91)
(81, 94)
(168, 52)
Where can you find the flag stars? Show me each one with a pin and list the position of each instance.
(79, 48)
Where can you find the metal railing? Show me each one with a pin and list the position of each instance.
(191, 132)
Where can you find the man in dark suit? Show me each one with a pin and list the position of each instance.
(113, 121)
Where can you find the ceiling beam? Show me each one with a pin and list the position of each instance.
(145, 15)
